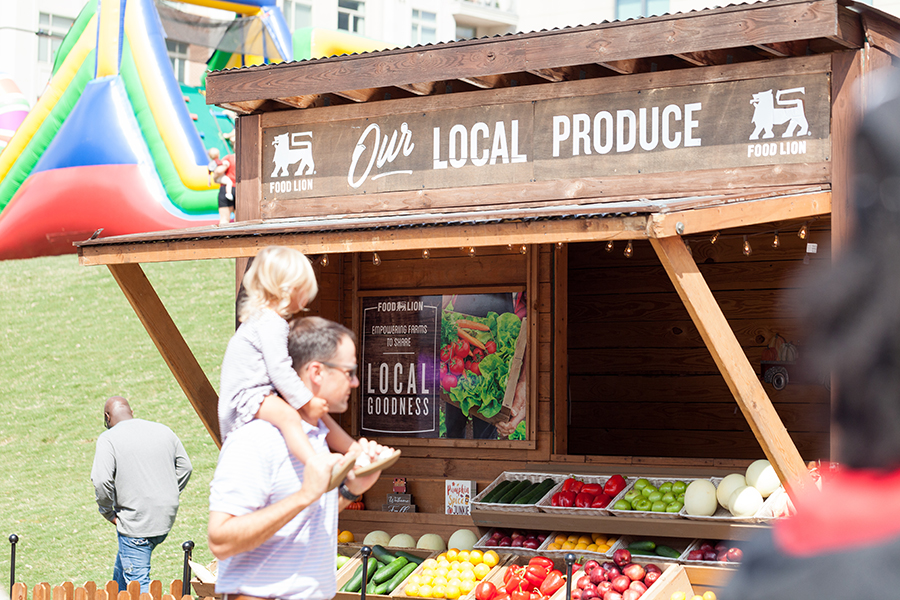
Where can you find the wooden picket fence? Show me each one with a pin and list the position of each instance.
(90, 591)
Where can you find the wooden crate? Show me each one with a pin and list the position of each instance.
(349, 569)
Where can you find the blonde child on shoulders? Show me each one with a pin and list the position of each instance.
(279, 284)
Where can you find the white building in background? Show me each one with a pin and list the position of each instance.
(31, 30)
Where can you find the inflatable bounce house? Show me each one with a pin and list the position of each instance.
(115, 143)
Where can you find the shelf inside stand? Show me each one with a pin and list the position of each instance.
(619, 525)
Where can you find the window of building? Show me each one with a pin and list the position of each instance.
(465, 32)
(424, 27)
(178, 56)
(51, 31)
(351, 16)
(632, 9)
(297, 14)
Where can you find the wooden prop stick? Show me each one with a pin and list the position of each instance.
(170, 343)
(732, 362)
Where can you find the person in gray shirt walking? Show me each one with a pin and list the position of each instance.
(140, 468)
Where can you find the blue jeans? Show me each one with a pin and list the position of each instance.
(133, 560)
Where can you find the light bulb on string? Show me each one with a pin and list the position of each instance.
(471, 251)
(804, 232)
(559, 245)
(426, 253)
(376, 260)
(523, 249)
(747, 249)
(324, 260)
(714, 238)
(629, 250)
(609, 246)
(775, 241)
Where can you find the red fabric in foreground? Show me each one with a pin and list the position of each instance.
(854, 509)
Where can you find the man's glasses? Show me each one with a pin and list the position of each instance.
(350, 372)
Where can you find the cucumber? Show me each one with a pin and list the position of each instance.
(537, 493)
(382, 588)
(370, 587)
(513, 491)
(410, 557)
(497, 491)
(667, 552)
(355, 582)
(527, 491)
(387, 572)
(383, 556)
(352, 581)
(642, 546)
(401, 576)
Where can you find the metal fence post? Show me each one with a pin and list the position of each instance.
(186, 579)
(366, 552)
(13, 540)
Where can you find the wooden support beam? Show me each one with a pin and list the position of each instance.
(732, 362)
(419, 89)
(302, 101)
(362, 95)
(170, 343)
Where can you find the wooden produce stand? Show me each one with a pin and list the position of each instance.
(626, 181)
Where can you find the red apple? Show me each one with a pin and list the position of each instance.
(582, 582)
(652, 568)
(612, 595)
(598, 575)
(707, 554)
(590, 566)
(721, 555)
(706, 546)
(721, 546)
(589, 592)
(517, 542)
(541, 537)
(505, 541)
(634, 572)
(621, 583)
(638, 586)
(695, 555)
(531, 543)
(612, 573)
(604, 586)
(621, 557)
(497, 535)
(631, 594)
(651, 577)
(576, 594)
(490, 542)
(734, 555)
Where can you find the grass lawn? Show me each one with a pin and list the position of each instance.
(69, 340)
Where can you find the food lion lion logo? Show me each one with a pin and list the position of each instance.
(789, 110)
(289, 152)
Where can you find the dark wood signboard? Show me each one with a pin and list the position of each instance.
(450, 366)
(777, 120)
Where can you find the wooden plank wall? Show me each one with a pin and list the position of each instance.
(641, 381)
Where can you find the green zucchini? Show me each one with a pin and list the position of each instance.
(401, 576)
(382, 588)
(497, 491)
(667, 552)
(386, 572)
(383, 556)
(354, 584)
(356, 574)
(410, 557)
(537, 493)
(514, 491)
(642, 546)
(370, 587)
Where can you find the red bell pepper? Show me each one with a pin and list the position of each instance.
(572, 485)
(485, 591)
(552, 582)
(614, 485)
(592, 488)
(535, 595)
(501, 595)
(564, 499)
(601, 500)
(520, 595)
(535, 575)
(542, 561)
(583, 500)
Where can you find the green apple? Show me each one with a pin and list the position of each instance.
(666, 487)
(668, 497)
(632, 494)
(641, 504)
(679, 487)
(641, 483)
(680, 498)
(647, 490)
(658, 506)
(654, 496)
(674, 507)
(622, 505)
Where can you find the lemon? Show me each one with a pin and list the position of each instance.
(678, 596)
(709, 595)
(475, 557)
(453, 592)
(439, 591)
(466, 586)
(411, 589)
(425, 591)
(439, 580)
(345, 537)
(428, 574)
(429, 563)
(468, 575)
(560, 539)
(481, 571)
(442, 571)
(452, 554)
(490, 558)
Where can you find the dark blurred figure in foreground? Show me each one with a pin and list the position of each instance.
(845, 541)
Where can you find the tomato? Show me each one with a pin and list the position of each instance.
(490, 347)
(461, 348)
(446, 353)
(456, 366)
(477, 353)
(443, 369)
(485, 591)
(448, 381)
(471, 365)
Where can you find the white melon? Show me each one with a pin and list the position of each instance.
(727, 486)
(462, 539)
(378, 537)
(402, 540)
(700, 498)
(745, 501)
(761, 475)
(431, 541)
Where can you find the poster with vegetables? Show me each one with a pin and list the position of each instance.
(450, 366)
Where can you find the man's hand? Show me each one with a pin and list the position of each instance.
(516, 412)
(317, 475)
